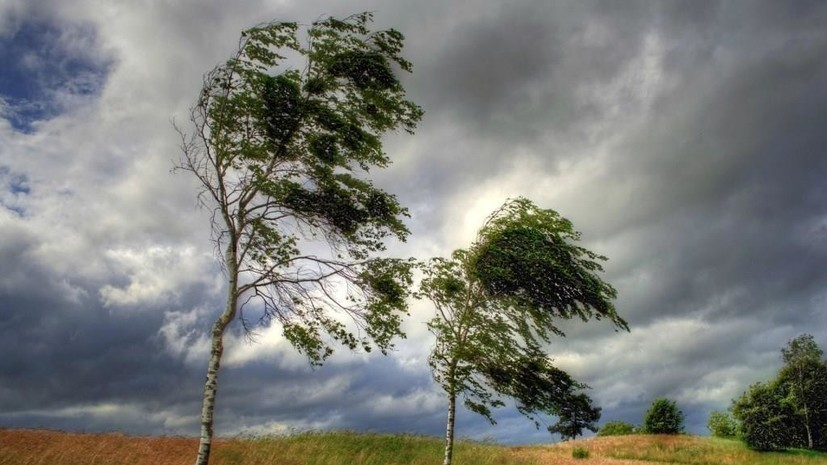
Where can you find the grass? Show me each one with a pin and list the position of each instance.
(29, 447)
(695, 450)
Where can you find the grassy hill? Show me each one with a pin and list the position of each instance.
(29, 447)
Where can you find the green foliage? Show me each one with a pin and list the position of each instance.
(493, 315)
(791, 410)
(722, 425)
(616, 428)
(802, 384)
(580, 452)
(575, 415)
(281, 152)
(526, 257)
(766, 423)
(801, 349)
(663, 417)
(803, 387)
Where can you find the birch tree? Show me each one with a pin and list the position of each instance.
(803, 380)
(282, 136)
(498, 302)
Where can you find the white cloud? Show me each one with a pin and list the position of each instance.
(157, 274)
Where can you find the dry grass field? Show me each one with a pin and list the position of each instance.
(36, 447)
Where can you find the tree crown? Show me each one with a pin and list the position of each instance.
(663, 417)
(497, 303)
(281, 153)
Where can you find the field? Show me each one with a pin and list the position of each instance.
(30, 447)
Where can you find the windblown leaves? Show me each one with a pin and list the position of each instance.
(527, 257)
(282, 152)
(498, 302)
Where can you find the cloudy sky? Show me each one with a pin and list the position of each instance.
(686, 140)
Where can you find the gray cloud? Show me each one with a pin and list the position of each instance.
(684, 139)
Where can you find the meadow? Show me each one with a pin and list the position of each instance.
(38, 447)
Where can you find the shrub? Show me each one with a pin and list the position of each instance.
(663, 417)
(722, 425)
(580, 453)
(616, 428)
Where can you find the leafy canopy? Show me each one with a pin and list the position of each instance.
(527, 259)
(281, 151)
(722, 425)
(497, 304)
(616, 428)
(663, 417)
(790, 410)
(766, 422)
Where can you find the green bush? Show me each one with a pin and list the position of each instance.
(580, 453)
(663, 417)
(722, 425)
(767, 422)
(616, 428)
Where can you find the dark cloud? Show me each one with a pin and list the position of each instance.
(685, 139)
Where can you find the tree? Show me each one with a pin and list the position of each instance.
(790, 410)
(663, 417)
(766, 422)
(722, 425)
(280, 154)
(497, 303)
(799, 378)
(576, 414)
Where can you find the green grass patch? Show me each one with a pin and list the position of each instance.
(356, 448)
(708, 451)
(580, 453)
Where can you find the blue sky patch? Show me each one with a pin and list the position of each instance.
(15, 184)
(45, 67)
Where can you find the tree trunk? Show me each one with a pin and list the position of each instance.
(210, 389)
(216, 350)
(809, 435)
(449, 427)
(806, 411)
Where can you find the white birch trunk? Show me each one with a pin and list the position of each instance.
(449, 428)
(216, 350)
(806, 411)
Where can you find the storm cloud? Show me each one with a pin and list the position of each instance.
(684, 139)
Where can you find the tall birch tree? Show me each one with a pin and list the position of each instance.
(283, 134)
(497, 303)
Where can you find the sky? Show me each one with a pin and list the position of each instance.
(686, 141)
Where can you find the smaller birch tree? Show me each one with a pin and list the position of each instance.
(799, 378)
(498, 302)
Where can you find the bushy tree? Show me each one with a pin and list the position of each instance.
(616, 428)
(663, 417)
(722, 424)
(766, 422)
(815, 395)
(803, 385)
(789, 411)
(281, 154)
(574, 416)
(496, 305)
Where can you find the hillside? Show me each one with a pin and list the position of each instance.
(30, 447)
